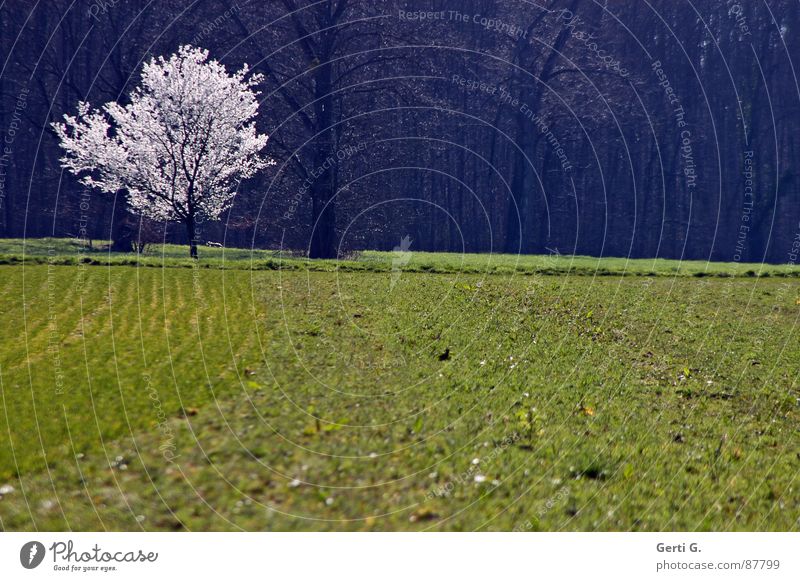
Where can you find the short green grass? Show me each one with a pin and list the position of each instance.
(56, 251)
(361, 398)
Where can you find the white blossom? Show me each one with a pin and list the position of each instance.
(182, 145)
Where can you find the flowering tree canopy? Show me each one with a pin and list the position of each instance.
(179, 148)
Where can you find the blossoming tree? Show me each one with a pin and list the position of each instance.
(180, 148)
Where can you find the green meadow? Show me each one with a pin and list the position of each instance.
(255, 390)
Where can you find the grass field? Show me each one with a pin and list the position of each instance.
(72, 252)
(257, 392)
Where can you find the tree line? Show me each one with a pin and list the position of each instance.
(645, 129)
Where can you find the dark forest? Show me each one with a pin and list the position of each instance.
(627, 128)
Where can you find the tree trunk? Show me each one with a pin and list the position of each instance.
(5, 213)
(123, 227)
(524, 182)
(191, 231)
(323, 218)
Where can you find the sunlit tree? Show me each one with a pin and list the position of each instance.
(180, 147)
